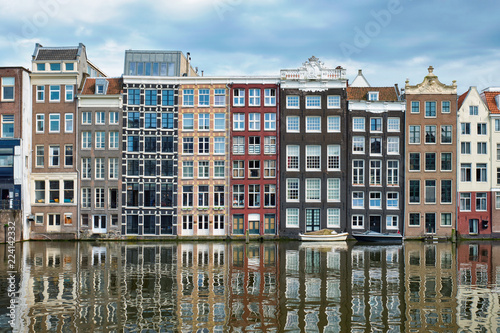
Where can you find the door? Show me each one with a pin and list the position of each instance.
(203, 225)
(269, 224)
(238, 223)
(219, 228)
(99, 226)
(313, 219)
(53, 222)
(254, 224)
(187, 225)
(430, 223)
(375, 223)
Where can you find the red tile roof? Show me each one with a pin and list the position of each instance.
(361, 93)
(462, 98)
(489, 98)
(114, 86)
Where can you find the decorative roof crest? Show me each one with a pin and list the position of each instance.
(431, 85)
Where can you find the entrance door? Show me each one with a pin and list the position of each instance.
(187, 225)
(219, 225)
(99, 225)
(269, 224)
(254, 224)
(53, 222)
(430, 223)
(203, 225)
(313, 219)
(375, 223)
(238, 224)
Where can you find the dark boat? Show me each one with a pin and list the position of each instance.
(373, 236)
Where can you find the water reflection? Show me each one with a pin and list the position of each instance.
(256, 287)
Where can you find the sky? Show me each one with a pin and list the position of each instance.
(390, 40)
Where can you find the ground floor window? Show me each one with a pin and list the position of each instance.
(149, 224)
(414, 219)
(357, 221)
(445, 219)
(473, 226)
(166, 225)
(132, 224)
(430, 223)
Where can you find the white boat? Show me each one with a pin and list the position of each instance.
(324, 236)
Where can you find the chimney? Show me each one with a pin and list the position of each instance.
(188, 56)
(360, 72)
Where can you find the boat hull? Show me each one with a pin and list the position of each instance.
(324, 238)
(379, 238)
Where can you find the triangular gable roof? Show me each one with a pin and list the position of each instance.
(462, 98)
(114, 86)
(489, 98)
(388, 94)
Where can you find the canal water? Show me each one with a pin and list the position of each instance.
(255, 287)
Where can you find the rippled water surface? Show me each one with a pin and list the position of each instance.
(255, 287)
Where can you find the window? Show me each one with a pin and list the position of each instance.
(292, 102)
(270, 122)
(188, 145)
(254, 145)
(481, 201)
(114, 140)
(313, 102)
(219, 97)
(481, 148)
(465, 172)
(430, 191)
(481, 172)
(150, 144)
(430, 134)
(358, 144)
(292, 153)
(414, 219)
(99, 168)
(188, 121)
(203, 121)
(113, 168)
(292, 124)
(253, 196)
(203, 169)
(497, 200)
(203, 145)
(253, 169)
(313, 124)
(358, 199)
(375, 145)
(254, 121)
(113, 201)
(187, 196)
(465, 128)
(445, 219)
(134, 96)
(333, 124)
(269, 145)
(100, 140)
(99, 197)
(333, 102)
(254, 97)
(204, 97)
(53, 191)
(333, 189)
(239, 97)
(167, 120)
(313, 189)
(133, 119)
(292, 189)
(219, 169)
(219, 196)
(446, 162)
(39, 191)
(446, 134)
(357, 221)
(167, 168)
(375, 173)
(202, 196)
(445, 107)
(55, 93)
(430, 161)
(40, 67)
(187, 169)
(40, 156)
(69, 93)
(446, 191)
(238, 169)
(358, 172)
(219, 145)
(497, 125)
(238, 145)
(269, 168)
(393, 145)
(481, 129)
(375, 200)
(333, 218)
(86, 168)
(465, 202)
(270, 195)
(219, 122)
(414, 134)
(68, 155)
(498, 176)
(188, 97)
(473, 226)
(358, 124)
(373, 95)
(430, 109)
(313, 158)
(54, 119)
(40, 93)
(392, 173)
(414, 191)
(375, 124)
(392, 200)
(238, 121)
(393, 125)
(292, 217)
(391, 221)
(465, 148)
(167, 97)
(238, 196)
(269, 97)
(7, 126)
(473, 110)
(54, 154)
(150, 120)
(133, 167)
(55, 66)
(133, 143)
(86, 197)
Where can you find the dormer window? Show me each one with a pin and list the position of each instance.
(373, 96)
(55, 66)
(40, 67)
(69, 66)
(101, 86)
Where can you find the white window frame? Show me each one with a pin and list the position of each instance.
(393, 124)
(40, 119)
(68, 123)
(333, 189)
(333, 124)
(58, 121)
(238, 97)
(360, 195)
(292, 217)
(393, 145)
(375, 196)
(270, 122)
(292, 102)
(333, 157)
(100, 168)
(313, 190)
(293, 124)
(333, 102)
(113, 168)
(390, 200)
(253, 97)
(114, 140)
(313, 102)
(270, 97)
(219, 122)
(358, 221)
(69, 93)
(311, 156)
(292, 151)
(333, 218)
(238, 121)
(254, 121)
(358, 144)
(56, 89)
(358, 124)
(313, 124)
(296, 189)
(188, 97)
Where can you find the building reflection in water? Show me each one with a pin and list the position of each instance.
(256, 287)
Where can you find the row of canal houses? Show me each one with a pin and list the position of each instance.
(163, 152)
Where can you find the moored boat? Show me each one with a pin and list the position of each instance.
(324, 235)
(373, 236)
